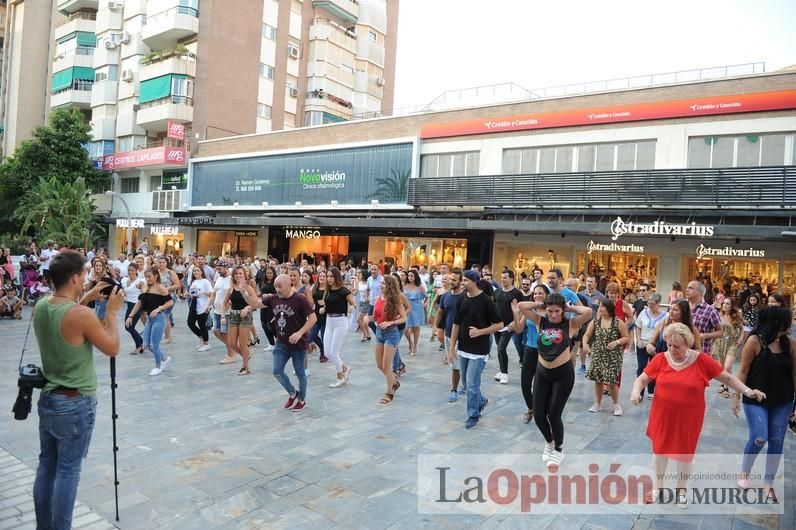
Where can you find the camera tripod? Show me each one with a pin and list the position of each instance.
(115, 445)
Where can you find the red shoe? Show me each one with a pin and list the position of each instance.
(290, 401)
(299, 406)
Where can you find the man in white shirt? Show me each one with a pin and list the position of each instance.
(121, 263)
(47, 253)
(221, 286)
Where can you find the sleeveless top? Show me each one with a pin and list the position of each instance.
(237, 300)
(554, 339)
(771, 373)
(165, 278)
(63, 364)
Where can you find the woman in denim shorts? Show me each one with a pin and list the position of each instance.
(239, 318)
(388, 313)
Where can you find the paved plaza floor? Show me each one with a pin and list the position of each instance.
(200, 447)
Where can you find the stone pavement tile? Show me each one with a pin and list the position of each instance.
(338, 505)
(386, 510)
(609, 522)
(346, 458)
(672, 522)
(297, 498)
(285, 485)
(230, 508)
(125, 501)
(299, 517)
(745, 522)
(715, 522)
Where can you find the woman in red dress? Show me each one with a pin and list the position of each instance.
(678, 410)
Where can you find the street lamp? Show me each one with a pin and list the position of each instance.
(129, 220)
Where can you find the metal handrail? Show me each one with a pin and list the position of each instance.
(771, 186)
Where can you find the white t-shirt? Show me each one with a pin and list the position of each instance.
(131, 289)
(46, 257)
(221, 287)
(197, 290)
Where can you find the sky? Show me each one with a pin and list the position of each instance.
(453, 44)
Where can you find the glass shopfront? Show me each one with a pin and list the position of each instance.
(166, 239)
(327, 248)
(417, 251)
(521, 256)
(727, 272)
(227, 243)
(626, 264)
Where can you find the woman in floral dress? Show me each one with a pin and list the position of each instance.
(605, 338)
(726, 347)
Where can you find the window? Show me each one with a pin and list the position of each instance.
(745, 150)
(269, 32)
(267, 71)
(586, 158)
(564, 159)
(372, 36)
(107, 73)
(130, 185)
(154, 182)
(264, 111)
(605, 157)
(189, 7)
(625, 156)
(181, 87)
(462, 164)
(347, 68)
(645, 155)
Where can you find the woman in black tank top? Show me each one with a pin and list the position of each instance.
(555, 375)
(767, 364)
(239, 317)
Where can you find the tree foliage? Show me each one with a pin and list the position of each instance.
(61, 211)
(393, 189)
(55, 151)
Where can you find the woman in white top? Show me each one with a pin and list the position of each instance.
(199, 307)
(362, 296)
(133, 284)
(646, 323)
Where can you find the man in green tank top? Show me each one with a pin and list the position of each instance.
(66, 333)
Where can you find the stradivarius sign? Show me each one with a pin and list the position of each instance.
(729, 252)
(659, 228)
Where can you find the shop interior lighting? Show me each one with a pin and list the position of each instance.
(265, 204)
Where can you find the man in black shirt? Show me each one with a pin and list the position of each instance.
(476, 317)
(503, 298)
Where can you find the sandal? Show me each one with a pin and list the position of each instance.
(386, 399)
(396, 386)
(402, 369)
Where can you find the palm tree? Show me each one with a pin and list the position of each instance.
(391, 190)
(61, 211)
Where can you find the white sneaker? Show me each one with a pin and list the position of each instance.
(549, 449)
(594, 408)
(498, 375)
(618, 410)
(555, 459)
(203, 347)
(338, 383)
(164, 363)
(156, 371)
(268, 348)
(504, 379)
(346, 373)
(166, 341)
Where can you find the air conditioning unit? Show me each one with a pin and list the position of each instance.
(109, 44)
(293, 91)
(136, 107)
(127, 75)
(125, 38)
(293, 52)
(115, 6)
(380, 81)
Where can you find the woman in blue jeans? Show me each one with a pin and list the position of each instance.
(153, 304)
(388, 313)
(767, 363)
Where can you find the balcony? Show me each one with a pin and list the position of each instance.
(170, 201)
(325, 29)
(103, 202)
(371, 51)
(79, 56)
(682, 189)
(81, 21)
(154, 116)
(173, 64)
(325, 70)
(347, 10)
(164, 29)
(109, 19)
(70, 6)
(104, 93)
(78, 94)
(103, 128)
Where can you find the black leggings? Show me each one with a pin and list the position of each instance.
(503, 339)
(550, 393)
(529, 359)
(268, 326)
(199, 330)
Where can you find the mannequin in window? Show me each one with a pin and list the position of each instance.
(432, 259)
(521, 265)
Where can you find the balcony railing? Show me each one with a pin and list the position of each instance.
(81, 15)
(78, 84)
(759, 187)
(170, 100)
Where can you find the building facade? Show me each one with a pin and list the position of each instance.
(665, 184)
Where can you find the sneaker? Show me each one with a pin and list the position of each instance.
(650, 396)
(792, 428)
(226, 360)
(307, 372)
(441, 347)
(156, 371)
(504, 379)
(582, 369)
(462, 391)
(594, 408)
(338, 383)
(346, 373)
(527, 417)
(268, 348)
(203, 347)
(167, 341)
(470, 423)
(549, 449)
(453, 397)
(497, 376)
(618, 410)
(165, 362)
(483, 405)
(290, 401)
(555, 459)
(244, 370)
(299, 406)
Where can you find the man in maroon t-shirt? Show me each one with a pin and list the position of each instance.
(293, 319)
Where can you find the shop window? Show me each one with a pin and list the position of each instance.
(699, 152)
(415, 252)
(628, 269)
(741, 151)
(748, 151)
(450, 164)
(129, 185)
(512, 158)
